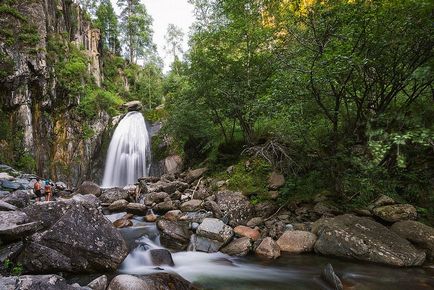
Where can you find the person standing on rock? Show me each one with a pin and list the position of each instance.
(37, 189)
(48, 190)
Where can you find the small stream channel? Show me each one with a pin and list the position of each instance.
(222, 272)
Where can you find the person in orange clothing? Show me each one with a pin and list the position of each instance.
(48, 190)
(37, 189)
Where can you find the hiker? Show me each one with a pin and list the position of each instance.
(48, 190)
(37, 189)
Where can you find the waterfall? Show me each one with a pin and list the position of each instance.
(129, 152)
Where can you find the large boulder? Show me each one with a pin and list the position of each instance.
(14, 225)
(167, 281)
(193, 175)
(111, 195)
(296, 242)
(364, 239)
(202, 244)
(37, 282)
(155, 197)
(418, 233)
(191, 205)
(118, 206)
(128, 282)
(235, 206)
(165, 206)
(215, 229)
(174, 234)
(137, 208)
(238, 247)
(76, 237)
(276, 180)
(268, 248)
(18, 198)
(161, 257)
(89, 187)
(99, 283)
(329, 276)
(396, 212)
(243, 231)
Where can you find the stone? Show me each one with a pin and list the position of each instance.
(60, 185)
(155, 197)
(10, 185)
(173, 164)
(396, 212)
(164, 207)
(128, 282)
(418, 233)
(195, 216)
(18, 198)
(265, 209)
(363, 239)
(4, 206)
(383, 200)
(118, 205)
(75, 238)
(150, 217)
(235, 206)
(268, 248)
(6, 176)
(276, 181)
(296, 242)
(90, 199)
(137, 208)
(167, 281)
(243, 231)
(215, 229)
(323, 208)
(99, 283)
(13, 232)
(191, 205)
(123, 223)
(36, 282)
(133, 106)
(213, 207)
(329, 276)
(173, 215)
(238, 247)
(174, 234)
(161, 257)
(254, 222)
(10, 252)
(273, 194)
(111, 195)
(89, 187)
(201, 193)
(193, 175)
(202, 244)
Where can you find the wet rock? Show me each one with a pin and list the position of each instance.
(235, 206)
(193, 175)
(76, 235)
(191, 205)
(118, 205)
(418, 233)
(89, 187)
(167, 281)
(195, 216)
(10, 185)
(254, 222)
(275, 228)
(18, 198)
(99, 283)
(137, 208)
(215, 229)
(173, 215)
(128, 282)
(150, 217)
(123, 223)
(276, 181)
(238, 247)
(296, 242)
(213, 207)
(10, 252)
(243, 231)
(268, 248)
(4, 206)
(329, 276)
(160, 257)
(36, 282)
(111, 195)
(202, 244)
(155, 197)
(396, 212)
(364, 239)
(165, 206)
(174, 234)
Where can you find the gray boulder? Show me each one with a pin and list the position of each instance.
(89, 187)
(36, 282)
(193, 175)
(191, 205)
(6, 206)
(418, 233)
(155, 197)
(364, 239)
(174, 234)
(128, 282)
(268, 248)
(18, 198)
(329, 276)
(396, 212)
(202, 244)
(111, 195)
(215, 229)
(238, 247)
(235, 206)
(165, 206)
(118, 205)
(137, 208)
(99, 283)
(160, 257)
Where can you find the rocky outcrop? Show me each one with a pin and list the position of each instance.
(364, 239)
(417, 233)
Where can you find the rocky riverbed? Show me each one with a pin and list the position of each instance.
(76, 234)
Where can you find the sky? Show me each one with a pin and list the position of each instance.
(164, 12)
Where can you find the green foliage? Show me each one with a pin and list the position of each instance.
(11, 268)
(96, 100)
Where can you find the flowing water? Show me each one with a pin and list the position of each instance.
(222, 272)
(129, 152)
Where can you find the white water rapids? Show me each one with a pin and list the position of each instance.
(128, 153)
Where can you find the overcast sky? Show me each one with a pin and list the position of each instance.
(164, 12)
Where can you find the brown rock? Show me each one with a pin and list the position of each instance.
(244, 231)
(122, 223)
(396, 212)
(276, 181)
(268, 248)
(296, 242)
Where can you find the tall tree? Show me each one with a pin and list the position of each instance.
(107, 22)
(136, 28)
(174, 37)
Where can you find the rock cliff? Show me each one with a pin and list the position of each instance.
(40, 122)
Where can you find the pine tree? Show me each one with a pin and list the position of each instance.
(107, 22)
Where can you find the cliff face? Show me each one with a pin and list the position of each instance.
(39, 120)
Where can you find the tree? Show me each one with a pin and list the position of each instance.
(174, 37)
(136, 28)
(107, 22)
(88, 5)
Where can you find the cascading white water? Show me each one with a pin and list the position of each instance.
(129, 152)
